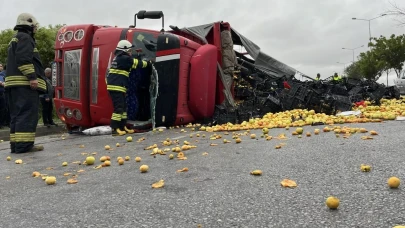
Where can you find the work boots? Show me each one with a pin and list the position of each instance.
(129, 131)
(34, 148)
(118, 132)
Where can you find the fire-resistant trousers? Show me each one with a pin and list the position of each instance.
(119, 116)
(23, 103)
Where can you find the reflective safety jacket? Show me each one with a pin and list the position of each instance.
(337, 78)
(24, 63)
(118, 75)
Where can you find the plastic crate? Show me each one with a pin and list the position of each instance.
(356, 90)
(243, 92)
(338, 90)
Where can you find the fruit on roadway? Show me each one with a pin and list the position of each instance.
(394, 182)
(257, 172)
(299, 130)
(332, 202)
(90, 160)
(144, 168)
(50, 180)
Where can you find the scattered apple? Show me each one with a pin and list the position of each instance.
(299, 130)
(138, 159)
(144, 168)
(103, 158)
(129, 139)
(50, 180)
(332, 202)
(35, 174)
(90, 160)
(394, 182)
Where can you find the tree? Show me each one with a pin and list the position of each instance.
(398, 12)
(390, 51)
(353, 71)
(370, 66)
(45, 38)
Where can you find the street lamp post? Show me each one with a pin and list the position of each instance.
(369, 24)
(352, 49)
(344, 65)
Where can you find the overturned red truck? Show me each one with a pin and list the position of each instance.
(193, 71)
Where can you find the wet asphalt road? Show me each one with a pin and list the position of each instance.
(218, 190)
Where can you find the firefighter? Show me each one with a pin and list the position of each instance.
(117, 83)
(336, 78)
(318, 77)
(24, 83)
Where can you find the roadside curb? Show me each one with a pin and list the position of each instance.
(41, 131)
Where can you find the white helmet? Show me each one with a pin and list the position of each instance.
(27, 19)
(124, 45)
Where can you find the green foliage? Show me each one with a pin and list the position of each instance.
(390, 51)
(353, 71)
(5, 37)
(370, 66)
(385, 54)
(45, 38)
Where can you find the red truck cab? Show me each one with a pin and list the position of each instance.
(184, 83)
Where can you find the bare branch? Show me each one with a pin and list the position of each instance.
(397, 12)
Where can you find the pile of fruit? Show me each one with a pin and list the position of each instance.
(388, 110)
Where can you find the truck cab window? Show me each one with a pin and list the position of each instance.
(147, 43)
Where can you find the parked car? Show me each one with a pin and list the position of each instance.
(400, 82)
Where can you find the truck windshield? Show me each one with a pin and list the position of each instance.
(146, 42)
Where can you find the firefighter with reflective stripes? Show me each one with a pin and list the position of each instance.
(117, 83)
(24, 82)
(318, 77)
(336, 78)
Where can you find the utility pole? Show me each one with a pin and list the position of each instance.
(369, 23)
(352, 49)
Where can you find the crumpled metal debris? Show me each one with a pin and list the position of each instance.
(256, 95)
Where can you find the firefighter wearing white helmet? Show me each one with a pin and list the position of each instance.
(25, 81)
(117, 83)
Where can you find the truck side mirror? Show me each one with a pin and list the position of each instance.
(143, 14)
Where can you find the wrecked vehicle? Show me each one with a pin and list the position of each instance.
(197, 77)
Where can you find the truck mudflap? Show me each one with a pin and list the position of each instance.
(167, 65)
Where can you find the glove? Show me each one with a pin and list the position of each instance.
(150, 64)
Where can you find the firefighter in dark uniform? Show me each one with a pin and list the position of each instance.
(24, 83)
(117, 84)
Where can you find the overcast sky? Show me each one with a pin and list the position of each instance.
(305, 34)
